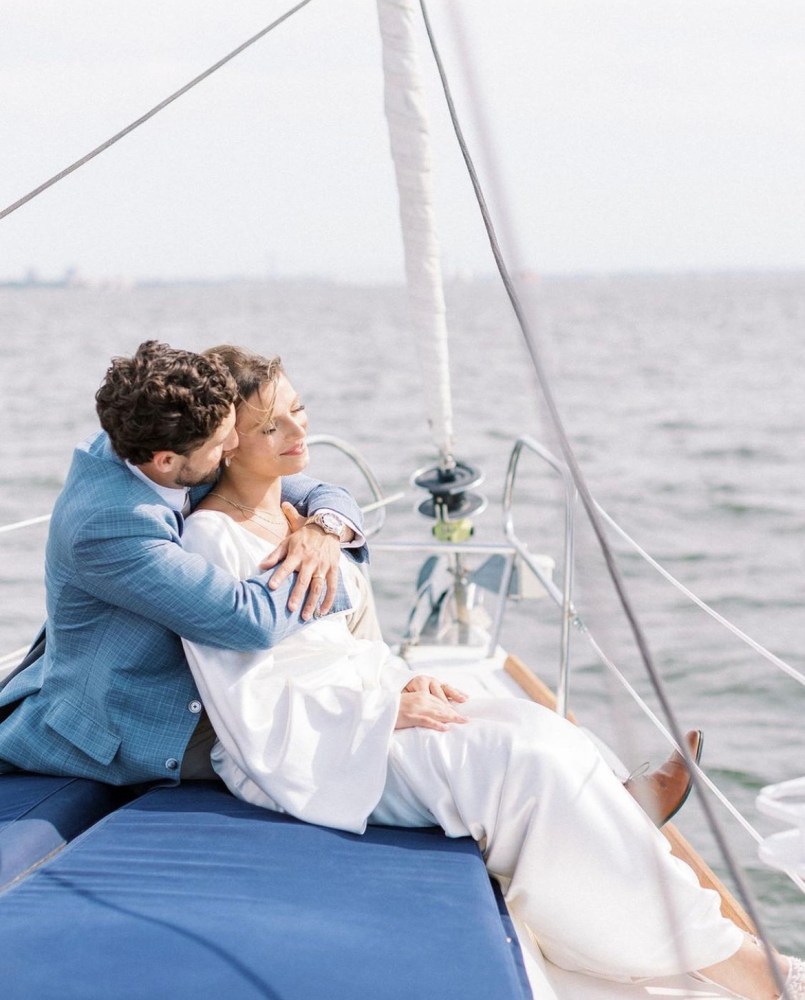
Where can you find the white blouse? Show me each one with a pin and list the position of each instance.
(304, 727)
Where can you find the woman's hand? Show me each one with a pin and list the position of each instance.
(446, 693)
(419, 708)
(425, 702)
(313, 555)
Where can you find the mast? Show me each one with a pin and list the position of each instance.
(405, 106)
(406, 115)
(450, 503)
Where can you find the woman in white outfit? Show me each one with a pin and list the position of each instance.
(333, 730)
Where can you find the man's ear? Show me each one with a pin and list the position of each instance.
(164, 461)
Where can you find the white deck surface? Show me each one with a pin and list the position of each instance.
(467, 668)
(470, 670)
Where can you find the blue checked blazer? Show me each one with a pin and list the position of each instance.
(112, 697)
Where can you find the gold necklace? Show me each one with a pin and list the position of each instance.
(260, 515)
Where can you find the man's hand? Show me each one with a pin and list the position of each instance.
(425, 702)
(313, 555)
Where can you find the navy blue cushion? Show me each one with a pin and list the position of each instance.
(39, 814)
(188, 892)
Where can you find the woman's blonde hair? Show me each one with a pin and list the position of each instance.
(251, 372)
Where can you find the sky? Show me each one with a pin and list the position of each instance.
(612, 135)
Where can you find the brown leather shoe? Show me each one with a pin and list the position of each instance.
(663, 792)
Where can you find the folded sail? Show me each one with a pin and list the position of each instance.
(410, 149)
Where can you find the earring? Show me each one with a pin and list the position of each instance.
(227, 461)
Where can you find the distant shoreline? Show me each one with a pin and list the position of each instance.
(75, 281)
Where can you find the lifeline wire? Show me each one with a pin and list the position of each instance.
(761, 650)
(149, 114)
(25, 524)
(590, 507)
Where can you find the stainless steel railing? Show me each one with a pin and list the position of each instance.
(571, 616)
(564, 597)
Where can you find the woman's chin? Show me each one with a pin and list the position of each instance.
(296, 463)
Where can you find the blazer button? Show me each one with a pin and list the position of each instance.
(194, 707)
(171, 763)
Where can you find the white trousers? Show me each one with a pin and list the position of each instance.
(579, 862)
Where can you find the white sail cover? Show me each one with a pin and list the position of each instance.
(410, 150)
(785, 851)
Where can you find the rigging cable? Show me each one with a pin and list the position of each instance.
(149, 114)
(760, 649)
(592, 514)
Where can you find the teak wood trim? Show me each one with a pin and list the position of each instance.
(538, 691)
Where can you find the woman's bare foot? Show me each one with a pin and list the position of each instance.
(747, 973)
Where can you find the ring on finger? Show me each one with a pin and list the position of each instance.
(318, 576)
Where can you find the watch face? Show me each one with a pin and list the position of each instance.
(331, 523)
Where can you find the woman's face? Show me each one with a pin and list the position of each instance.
(277, 447)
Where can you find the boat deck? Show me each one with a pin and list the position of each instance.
(483, 676)
(185, 887)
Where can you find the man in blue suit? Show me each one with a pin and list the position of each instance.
(111, 697)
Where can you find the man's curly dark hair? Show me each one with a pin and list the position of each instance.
(163, 399)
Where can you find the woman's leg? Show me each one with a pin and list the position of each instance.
(581, 863)
(362, 620)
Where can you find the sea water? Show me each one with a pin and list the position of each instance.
(682, 396)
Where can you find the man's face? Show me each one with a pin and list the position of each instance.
(201, 464)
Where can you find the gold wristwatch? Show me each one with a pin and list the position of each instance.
(329, 522)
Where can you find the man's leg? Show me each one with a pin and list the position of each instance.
(196, 764)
